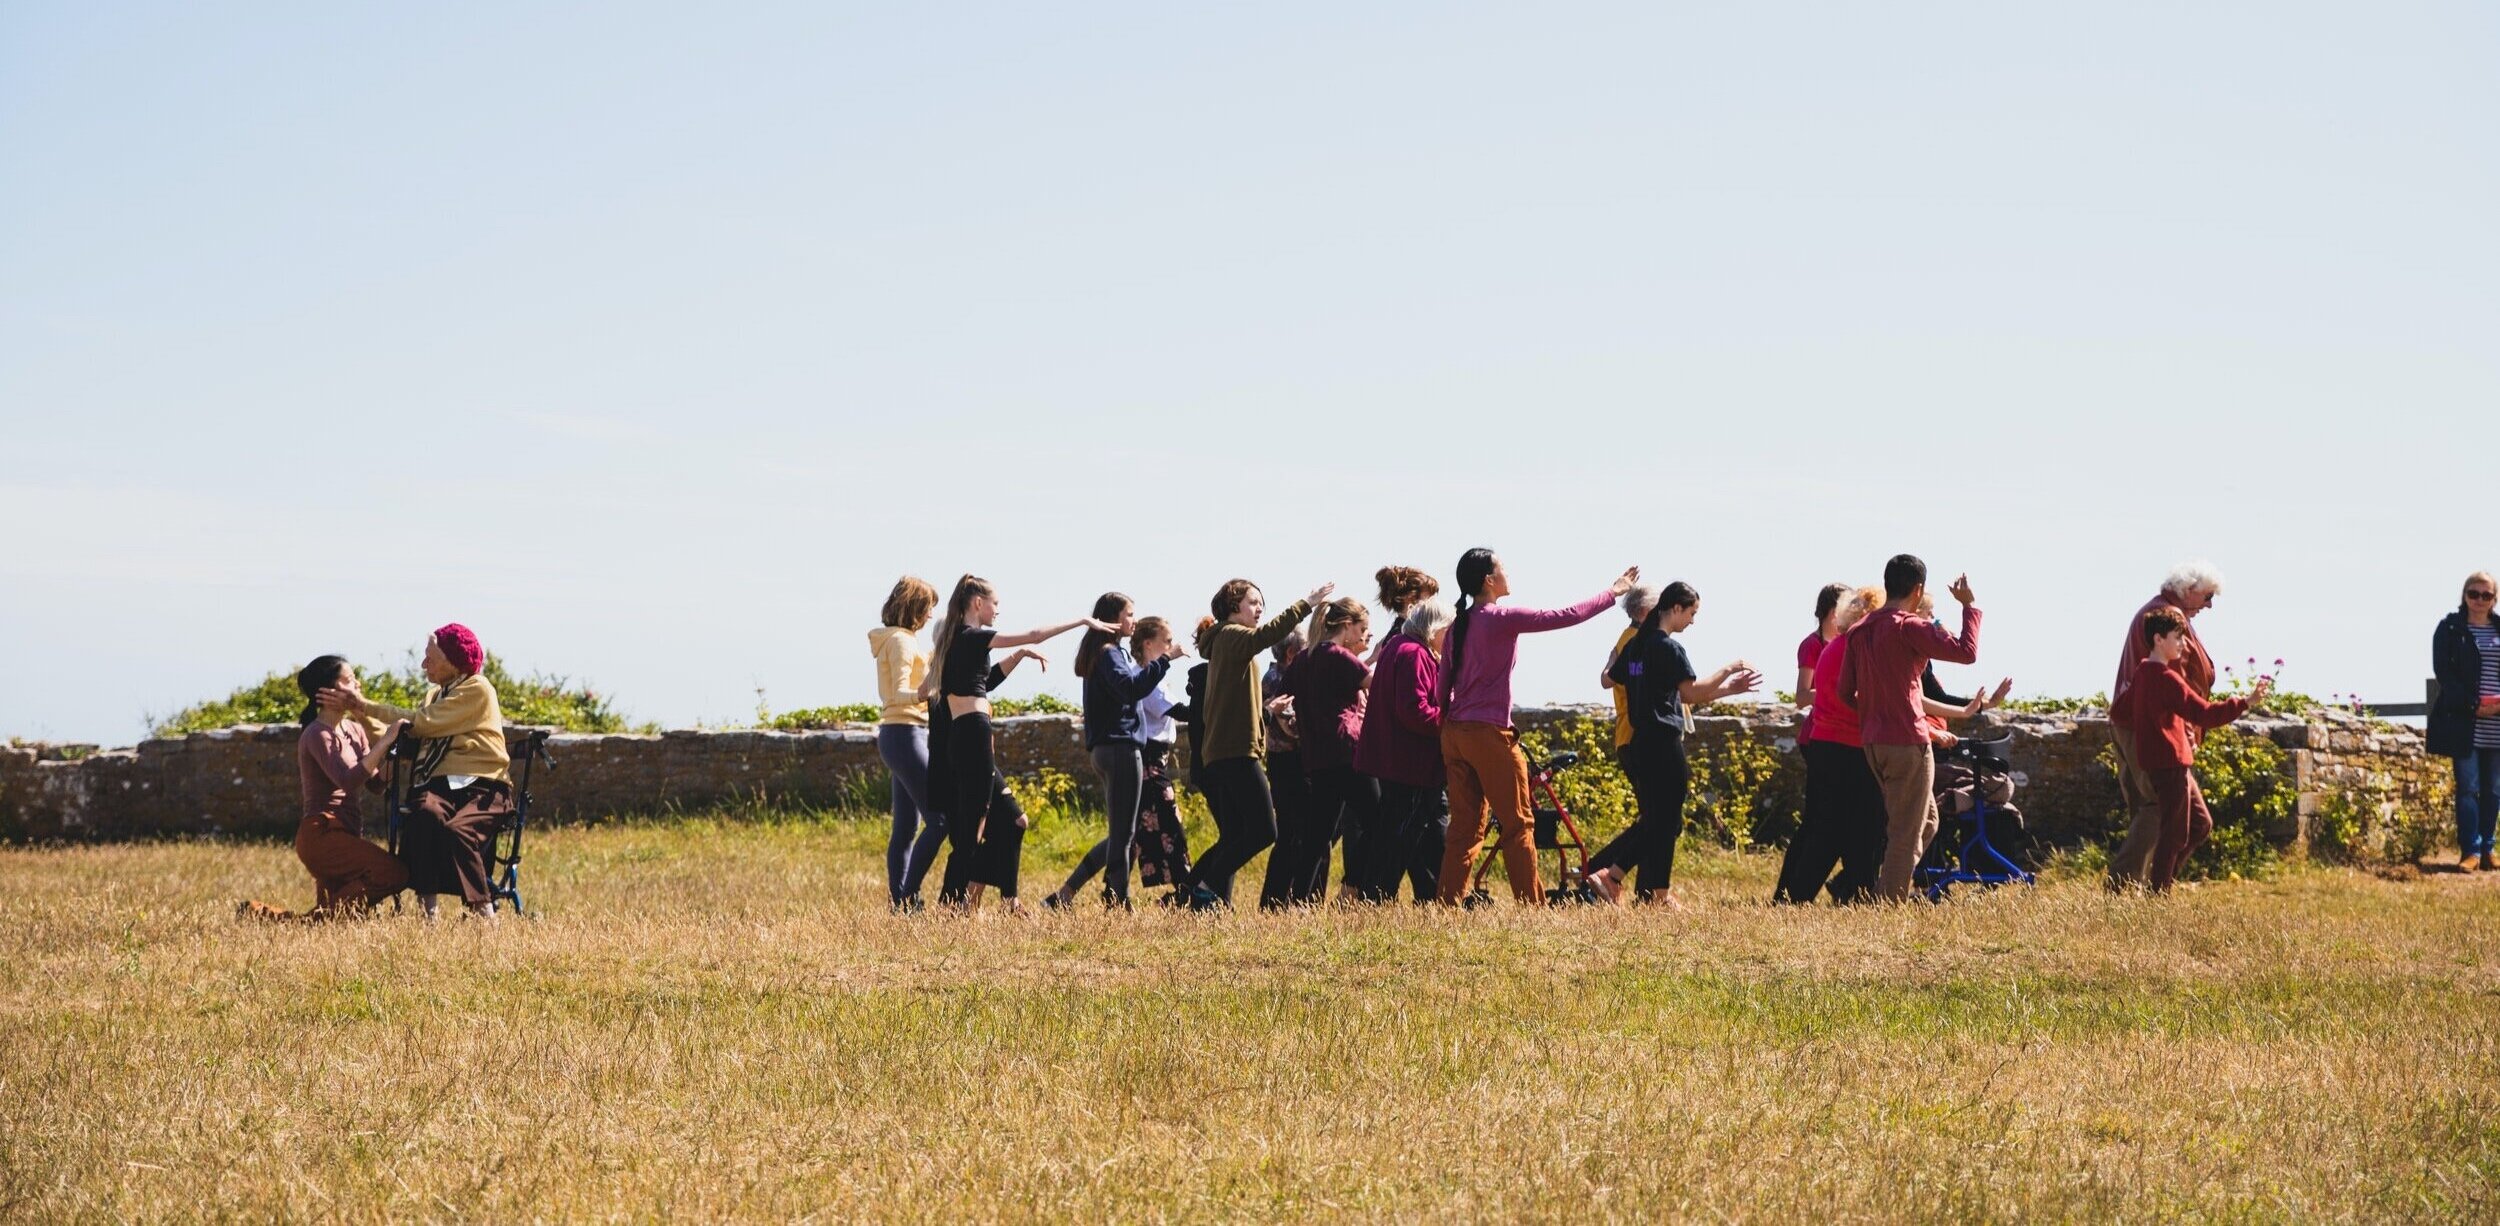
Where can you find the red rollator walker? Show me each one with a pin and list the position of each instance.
(1555, 832)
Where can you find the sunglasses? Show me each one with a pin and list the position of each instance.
(2480, 593)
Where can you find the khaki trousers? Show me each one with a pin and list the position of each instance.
(1907, 775)
(2132, 863)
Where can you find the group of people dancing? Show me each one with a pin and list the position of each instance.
(1401, 752)
(460, 785)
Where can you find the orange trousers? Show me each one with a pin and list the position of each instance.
(1486, 768)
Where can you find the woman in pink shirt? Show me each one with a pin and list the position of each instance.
(1479, 748)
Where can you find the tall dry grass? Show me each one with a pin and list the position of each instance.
(722, 1021)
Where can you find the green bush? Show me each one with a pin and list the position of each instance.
(862, 714)
(538, 700)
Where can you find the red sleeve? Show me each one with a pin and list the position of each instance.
(1849, 665)
(1952, 649)
(2205, 713)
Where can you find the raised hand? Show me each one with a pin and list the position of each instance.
(1320, 593)
(1961, 590)
(1623, 582)
(2004, 688)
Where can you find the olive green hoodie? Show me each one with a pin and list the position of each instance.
(1230, 723)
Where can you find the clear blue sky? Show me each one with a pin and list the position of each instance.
(653, 341)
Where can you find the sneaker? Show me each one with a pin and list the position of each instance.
(1053, 902)
(909, 906)
(1203, 899)
(2465, 863)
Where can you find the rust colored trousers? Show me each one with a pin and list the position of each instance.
(349, 874)
(1486, 769)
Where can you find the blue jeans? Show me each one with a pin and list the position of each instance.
(2478, 800)
(918, 829)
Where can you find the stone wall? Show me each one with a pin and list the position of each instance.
(241, 781)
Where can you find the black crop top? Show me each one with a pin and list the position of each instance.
(966, 672)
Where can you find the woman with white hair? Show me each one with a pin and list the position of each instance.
(1401, 747)
(2191, 588)
(1636, 604)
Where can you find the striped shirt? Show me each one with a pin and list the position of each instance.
(2487, 645)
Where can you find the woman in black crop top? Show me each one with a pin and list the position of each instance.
(984, 826)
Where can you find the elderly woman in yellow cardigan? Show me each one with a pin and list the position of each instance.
(463, 779)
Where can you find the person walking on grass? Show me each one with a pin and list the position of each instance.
(1636, 605)
(903, 738)
(1843, 823)
(1479, 746)
(1115, 734)
(984, 824)
(1659, 676)
(1233, 735)
(1401, 748)
(2190, 589)
(2465, 720)
(2167, 717)
(1330, 685)
(1880, 680)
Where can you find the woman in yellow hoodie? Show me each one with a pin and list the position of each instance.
(463, 776)
(903, 738)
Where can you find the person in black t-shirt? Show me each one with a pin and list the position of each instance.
(1653, 669)
(984, 826)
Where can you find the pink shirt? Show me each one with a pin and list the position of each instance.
(1478, 690)
(1810, 650)
(325, 767)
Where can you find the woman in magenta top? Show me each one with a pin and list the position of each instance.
(1479, 748)
(1843, 822)
(1826, 628)
(1330, 683)
(1401, 748)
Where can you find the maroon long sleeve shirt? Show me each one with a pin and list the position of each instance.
(1879, 678)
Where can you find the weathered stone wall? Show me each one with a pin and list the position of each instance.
(242, 780)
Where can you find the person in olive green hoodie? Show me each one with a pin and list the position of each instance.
(1232, 733)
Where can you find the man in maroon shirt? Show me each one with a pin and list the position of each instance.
(1888, 654)
(2190, 589)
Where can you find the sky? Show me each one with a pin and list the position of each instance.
(654, 341)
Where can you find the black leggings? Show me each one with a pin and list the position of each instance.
(1123, 769)
(1662, 779)
(1245, 820)
(985, 830)
(1289, 795)
(1343, 803)
(1843, 824)
(1405, 839)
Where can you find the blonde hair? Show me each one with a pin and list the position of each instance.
(2483, 575)
(1861, 602)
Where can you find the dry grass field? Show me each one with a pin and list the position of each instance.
(721, 1021)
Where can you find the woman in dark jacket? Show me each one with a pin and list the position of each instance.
(2465, 718)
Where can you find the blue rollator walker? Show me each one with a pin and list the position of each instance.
(1976, 772)
(503, 846)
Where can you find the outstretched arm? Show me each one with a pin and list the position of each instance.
(1046, 633)
(1736, 678)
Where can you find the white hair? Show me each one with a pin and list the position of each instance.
(2188, 577)
(1427, 618)
(1638, 600)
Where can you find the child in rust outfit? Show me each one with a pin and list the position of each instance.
(2165, 714)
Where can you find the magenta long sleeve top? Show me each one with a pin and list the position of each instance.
(1478, 690)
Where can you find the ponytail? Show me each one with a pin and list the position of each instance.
(1474, 567)
(956, 606)
(1108, 607)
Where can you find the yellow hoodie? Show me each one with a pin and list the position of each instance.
(901, 666)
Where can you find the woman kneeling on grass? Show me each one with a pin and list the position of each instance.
(463, 776)
(1479, 747)
(984, 825)
(335, 759)
(1654, 670)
